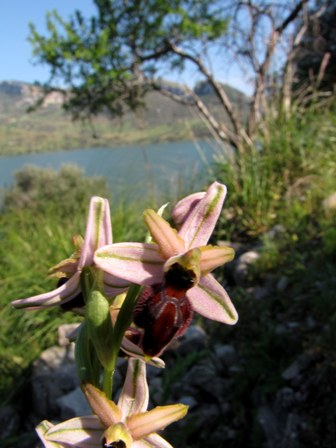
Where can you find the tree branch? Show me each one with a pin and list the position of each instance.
(191, 99)
(259, 91)
(220, 93)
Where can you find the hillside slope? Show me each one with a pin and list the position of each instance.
(49, 128)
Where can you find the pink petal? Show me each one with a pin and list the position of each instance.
(82, 432)
(141, 425)
(138, 263)
(163, 234)
(185, 206)
(157, 441)
(98, 230)
(41, 430)
(58, 296)
(134, 395)
(211, 300)
(199, 225)
(114, 285)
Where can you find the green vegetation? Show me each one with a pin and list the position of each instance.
(42, 212)
(285, 179)
(282, 186)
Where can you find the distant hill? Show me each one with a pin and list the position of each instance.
(49, 128)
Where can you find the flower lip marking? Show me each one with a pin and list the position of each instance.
(116, 444)
(180, 278)
(163, 310)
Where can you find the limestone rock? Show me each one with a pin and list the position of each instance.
(242, 266)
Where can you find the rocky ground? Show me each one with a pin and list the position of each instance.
(267, 382)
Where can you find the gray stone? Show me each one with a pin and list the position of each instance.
(285, 399)
(299, 365)
(242, 265)
(194, 339)
(281, 329)
(226, 354)
(206, 413)
(275, 232)
(260, 292)
(73, 404)
(203, 378)
(67, 334)
(269, 424)
(292, 371)
(311, 322)
(54, 375)
(153, 371)
(292, 325)
(156, 390)
(282, 284)
(221, 434)
(291, 431)
(53, 358)
(188, 401)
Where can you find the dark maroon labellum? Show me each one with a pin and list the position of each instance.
(163, 310)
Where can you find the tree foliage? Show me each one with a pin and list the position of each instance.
(106, 59)
(111, 60)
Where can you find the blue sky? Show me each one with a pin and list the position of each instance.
(16, 51)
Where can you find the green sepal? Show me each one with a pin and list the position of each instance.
(87, 362)
(98, 317)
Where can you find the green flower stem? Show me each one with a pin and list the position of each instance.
(123, 321)
(125, 316)
(108, 382)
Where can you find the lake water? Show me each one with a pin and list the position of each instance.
(132, 170)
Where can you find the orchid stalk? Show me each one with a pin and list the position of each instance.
(135, 297)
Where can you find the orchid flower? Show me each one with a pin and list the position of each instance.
(98, 233)
(127, 424)
(186, 251)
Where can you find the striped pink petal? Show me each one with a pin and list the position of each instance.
(98, 230)
(58, 296)
(134, 395)
(211, 300)
(138, 263)
(200, 223)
